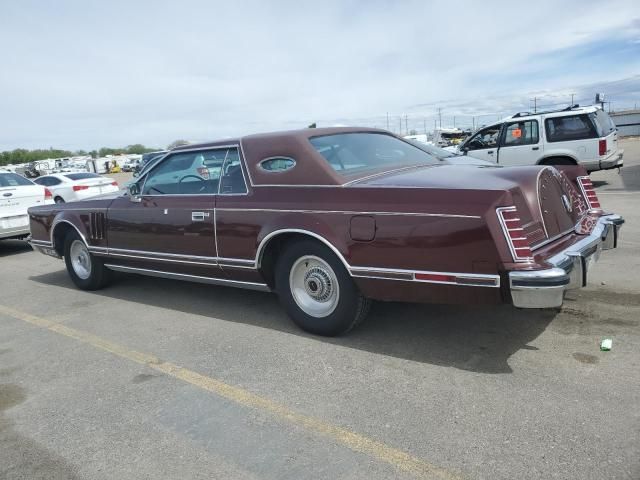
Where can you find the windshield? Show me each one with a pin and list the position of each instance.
(353, 153)
(13, 180)
(439, 153)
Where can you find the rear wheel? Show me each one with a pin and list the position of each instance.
(316, 290)
(59, 200)
(86, 271)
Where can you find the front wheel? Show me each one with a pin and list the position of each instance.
(316, 290)
(86, 271)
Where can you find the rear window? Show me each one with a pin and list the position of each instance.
(352, 153)
(572, 127)
(603, 123)
(81, 176)
(13, 180)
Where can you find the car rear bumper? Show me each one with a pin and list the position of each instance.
(14, 226)
(615, 160)
(545, 288)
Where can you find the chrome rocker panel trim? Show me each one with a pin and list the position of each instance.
(545, 288)
(261, 287)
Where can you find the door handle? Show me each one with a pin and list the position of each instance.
(490, 152)
(199, 216)
(535, 148)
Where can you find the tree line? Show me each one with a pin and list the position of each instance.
(22, 155)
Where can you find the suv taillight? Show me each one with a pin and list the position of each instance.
(589, 192)
(47, 194)
(517, 240)
(602, 147)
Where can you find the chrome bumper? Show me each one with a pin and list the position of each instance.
(545, 288)
(43, 246)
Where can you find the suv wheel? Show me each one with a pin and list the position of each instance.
(316, 290)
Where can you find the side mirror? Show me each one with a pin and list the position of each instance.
(134, 192)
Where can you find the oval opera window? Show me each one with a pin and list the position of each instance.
(277, 164)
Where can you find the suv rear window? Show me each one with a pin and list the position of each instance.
(603, 123)
(572, 127)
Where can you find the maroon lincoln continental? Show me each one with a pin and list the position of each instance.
(331, 219)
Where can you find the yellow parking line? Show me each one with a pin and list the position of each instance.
(354, 441)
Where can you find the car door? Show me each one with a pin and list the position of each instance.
(169, 225)
(520, 143)
(484, 144)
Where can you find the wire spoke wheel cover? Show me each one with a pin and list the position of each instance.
(80, 259)
(314, 286)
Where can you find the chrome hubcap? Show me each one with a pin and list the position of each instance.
(80, 259)
(314, 286)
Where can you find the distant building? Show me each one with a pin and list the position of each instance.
(627, 121)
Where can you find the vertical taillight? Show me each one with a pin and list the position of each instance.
(589, 192)
(517, 240)
(602, 147)
(47, 194)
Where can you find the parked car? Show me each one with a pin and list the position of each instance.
(584, 136)
(130, 165)
(70, 187)
(17, 194)
(331, 218)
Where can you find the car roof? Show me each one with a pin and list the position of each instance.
(312, 167)
(275, 135)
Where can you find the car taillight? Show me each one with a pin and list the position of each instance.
(47, 194)
(589, 192)
(514, 234)
(77, 188)
(602, 147)
(115, 184)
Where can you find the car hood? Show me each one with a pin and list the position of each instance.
(455, 177)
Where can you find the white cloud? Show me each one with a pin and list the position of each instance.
(77, 75)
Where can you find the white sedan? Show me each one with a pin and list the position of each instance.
(17, 194)
(70, 187)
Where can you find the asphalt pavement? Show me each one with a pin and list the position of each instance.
(159, 379)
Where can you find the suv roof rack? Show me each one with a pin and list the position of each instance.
(566, 109)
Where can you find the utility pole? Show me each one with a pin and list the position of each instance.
(424, 124)
(473, 123)
(387, 120)
(535, 104)
(572, 99)
(454, 121)
(406, 123)
(400, 131)
(440, 116)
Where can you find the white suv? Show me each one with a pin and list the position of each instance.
(584, 136)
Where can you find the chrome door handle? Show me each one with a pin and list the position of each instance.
(490, 152)
(535, 148)
(199, 216)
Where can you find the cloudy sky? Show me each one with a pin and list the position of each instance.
(85, 74)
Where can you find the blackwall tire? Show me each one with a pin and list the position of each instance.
(316, 290)
(86, 271)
